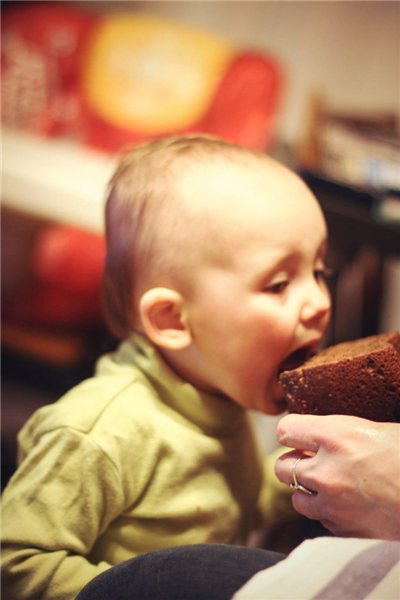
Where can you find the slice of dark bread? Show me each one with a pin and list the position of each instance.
(360, 377)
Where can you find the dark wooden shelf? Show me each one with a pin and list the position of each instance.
(360, 240)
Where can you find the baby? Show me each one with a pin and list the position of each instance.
(214, 282)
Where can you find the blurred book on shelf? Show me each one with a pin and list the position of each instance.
(360, 151)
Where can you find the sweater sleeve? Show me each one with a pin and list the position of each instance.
(63, 496)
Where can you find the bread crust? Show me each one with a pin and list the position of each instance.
(359, 377)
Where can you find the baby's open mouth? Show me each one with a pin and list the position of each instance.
(295, 359)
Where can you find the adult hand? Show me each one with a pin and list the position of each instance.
(352, 464)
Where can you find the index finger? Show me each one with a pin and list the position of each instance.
(300, 431)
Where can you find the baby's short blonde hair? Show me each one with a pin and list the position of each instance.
(144, 218)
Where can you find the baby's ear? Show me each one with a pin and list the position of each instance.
(163, 319)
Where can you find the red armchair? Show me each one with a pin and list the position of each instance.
(91, 78)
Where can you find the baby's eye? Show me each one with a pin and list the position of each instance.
(322, 274)
(277, 288)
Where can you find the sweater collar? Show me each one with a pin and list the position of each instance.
(211, 413)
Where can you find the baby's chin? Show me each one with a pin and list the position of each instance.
(269, 399)
(278, 400)
(273, 402)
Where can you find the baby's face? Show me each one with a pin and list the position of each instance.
(259, 293)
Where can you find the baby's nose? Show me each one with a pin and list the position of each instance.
(316, 305)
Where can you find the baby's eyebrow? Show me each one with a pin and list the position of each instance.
(323, 249)
(280, 264)
(286, 259)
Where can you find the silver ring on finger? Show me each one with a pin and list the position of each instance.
(296, 485)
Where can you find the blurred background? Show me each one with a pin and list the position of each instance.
(315, 84)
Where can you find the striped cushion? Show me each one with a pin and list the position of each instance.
(330, 568)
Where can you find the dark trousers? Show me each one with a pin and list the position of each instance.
(196, 572)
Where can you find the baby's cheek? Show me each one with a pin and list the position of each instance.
(281, 331)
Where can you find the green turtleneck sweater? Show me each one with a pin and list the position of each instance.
(133, 459)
